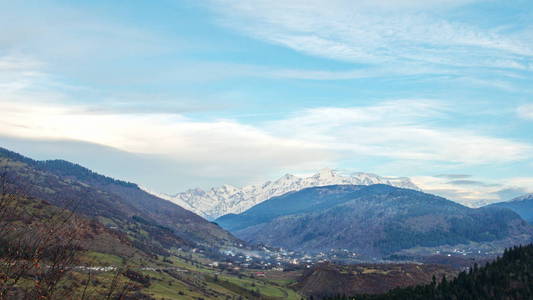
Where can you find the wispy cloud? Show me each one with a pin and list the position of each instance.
(66, 33)
(453, 176)
(19, 73)
(214, 142)
(471, 182)
(526, 111)
(100, 79)
(476, 193)
(378, 32)
(35, 108)
(400, 130)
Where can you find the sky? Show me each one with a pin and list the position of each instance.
(177, 94)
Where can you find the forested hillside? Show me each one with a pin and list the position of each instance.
(521, 205)
(374, 221)
(113, 202)
(506, 278)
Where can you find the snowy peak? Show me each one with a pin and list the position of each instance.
(522, 198)
(325, 174)
(227, 199)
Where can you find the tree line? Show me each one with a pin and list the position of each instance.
(509, 277)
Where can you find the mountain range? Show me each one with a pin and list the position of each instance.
(118, 224)
(227, 199)
(374, 221)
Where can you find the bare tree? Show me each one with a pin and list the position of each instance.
(40, 246)
(35, 252)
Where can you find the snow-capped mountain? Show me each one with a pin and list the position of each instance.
(227, 199)
(522, 198)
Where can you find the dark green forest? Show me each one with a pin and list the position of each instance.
(509, 277)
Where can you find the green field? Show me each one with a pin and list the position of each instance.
(179, 278)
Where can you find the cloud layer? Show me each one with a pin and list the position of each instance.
(400, 130)
(476, 193)
(404, 132)
(377, 32)
(404, 87)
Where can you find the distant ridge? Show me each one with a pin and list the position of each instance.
(376, 221)
(228, 199)
(522, 205)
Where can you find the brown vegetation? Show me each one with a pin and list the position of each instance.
(330, 279)
(40, 246)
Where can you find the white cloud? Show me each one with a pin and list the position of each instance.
(33, 107)
(399, 130)
(526, 111)
(396, 129)
(524, 182)
(218, 142)
(18, 73)
(469, 195)
(475, 195)
(385, 71)
(375, 31)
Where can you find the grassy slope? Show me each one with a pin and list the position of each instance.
(181, 280)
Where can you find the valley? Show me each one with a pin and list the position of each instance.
(112, 239)
(266, 150)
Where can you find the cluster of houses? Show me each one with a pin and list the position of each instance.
(278, 259)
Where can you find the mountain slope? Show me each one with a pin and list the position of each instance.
(103, 263)
(328, 279)
(117, 203)
(521, 205)
(229, 199)
(29, 220)
(372, 220)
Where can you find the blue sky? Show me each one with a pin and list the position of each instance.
(179, 94)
